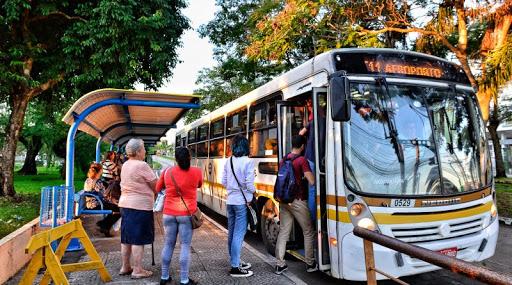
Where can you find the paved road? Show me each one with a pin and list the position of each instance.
(501, 261)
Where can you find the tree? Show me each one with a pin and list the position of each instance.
(235, 74)
(75, 47)
(477, 35)
(42, 126)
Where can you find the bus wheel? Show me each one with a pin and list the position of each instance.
(269, 226)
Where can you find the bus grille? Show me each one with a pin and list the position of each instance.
(433, 231)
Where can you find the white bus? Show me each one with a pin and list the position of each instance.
(400, 148)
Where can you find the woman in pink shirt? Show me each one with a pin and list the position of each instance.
(177, 211)
(136, 202)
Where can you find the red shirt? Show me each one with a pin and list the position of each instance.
(300, 166)
(188, 181)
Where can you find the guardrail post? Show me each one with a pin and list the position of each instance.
(371, 277)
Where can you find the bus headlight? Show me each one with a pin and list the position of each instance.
(494, 212)
(360, 214)
(367, 223)
(356, 209)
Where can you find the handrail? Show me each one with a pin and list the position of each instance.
(455, 265)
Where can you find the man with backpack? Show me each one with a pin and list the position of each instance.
(292, 196)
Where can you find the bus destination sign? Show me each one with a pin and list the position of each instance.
(388, 66)
(398, 64)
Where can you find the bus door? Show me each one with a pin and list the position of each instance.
(290, 121)
(319, 101)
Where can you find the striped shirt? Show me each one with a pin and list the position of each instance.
(109, 170)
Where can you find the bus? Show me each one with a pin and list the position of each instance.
(400, 148)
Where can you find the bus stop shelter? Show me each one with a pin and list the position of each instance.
(115, 115)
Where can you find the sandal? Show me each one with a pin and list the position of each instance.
(146, 274)
(123, 273)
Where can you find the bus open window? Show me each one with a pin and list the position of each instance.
(258, 118)
(192, 136)
(217, 129)
(217, 148)
(236, 122)
(202, 149)
(263, 143)
(177, 142)
(184, 141)
(203, 132)
(192, 149)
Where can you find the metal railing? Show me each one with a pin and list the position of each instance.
(455, 265)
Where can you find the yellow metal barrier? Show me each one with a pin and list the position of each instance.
(44, 256)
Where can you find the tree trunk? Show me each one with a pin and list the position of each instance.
(498, 157)
(19, 105)
(33, 146)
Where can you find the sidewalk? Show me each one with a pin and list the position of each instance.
(210, 259)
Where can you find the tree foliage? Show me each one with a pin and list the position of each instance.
(72, 47)
(235, 73)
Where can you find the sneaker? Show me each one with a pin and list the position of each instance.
(190, 282)
(165, 281)
(245, 265)
(281, 269)
(313, 267)
(239, 272)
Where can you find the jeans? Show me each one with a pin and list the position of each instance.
(312, 195)
(173, 225)
(237, 226)
(298, 209)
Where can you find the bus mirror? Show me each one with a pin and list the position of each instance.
(340, 98)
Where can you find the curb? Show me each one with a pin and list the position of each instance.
(266, 258)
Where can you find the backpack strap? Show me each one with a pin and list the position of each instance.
(292, 159)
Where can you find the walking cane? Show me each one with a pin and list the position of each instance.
(152, 254)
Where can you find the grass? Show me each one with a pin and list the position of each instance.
(504, 196)
(156, 165)
(16, 212)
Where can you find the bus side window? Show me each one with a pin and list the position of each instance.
(177, 142)
(202, 145)
(192, 136)
(217, 138)
(263, 131)
(236, 122)
(192, 149)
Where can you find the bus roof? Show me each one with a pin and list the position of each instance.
(312, 73)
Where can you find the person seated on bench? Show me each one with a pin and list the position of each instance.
(94, 185)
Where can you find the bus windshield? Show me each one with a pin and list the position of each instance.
(414, 140)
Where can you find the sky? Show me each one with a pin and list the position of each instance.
(195, 54)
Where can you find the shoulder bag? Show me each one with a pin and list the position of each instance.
(197, 217)
(252, 208)
(160, 197)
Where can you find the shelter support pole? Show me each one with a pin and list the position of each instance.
(98, 150)
(111, 147)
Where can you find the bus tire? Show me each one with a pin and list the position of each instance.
(269, 225)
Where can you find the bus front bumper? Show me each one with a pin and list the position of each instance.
(398, 264)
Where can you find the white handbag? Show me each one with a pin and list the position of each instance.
(160, 198)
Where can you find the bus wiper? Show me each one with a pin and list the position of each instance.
(393, 132)
(390, 119)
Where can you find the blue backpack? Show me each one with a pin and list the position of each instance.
(286, 188)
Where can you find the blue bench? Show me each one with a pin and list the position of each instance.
(82, 210)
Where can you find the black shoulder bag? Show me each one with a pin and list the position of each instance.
(252, 207)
